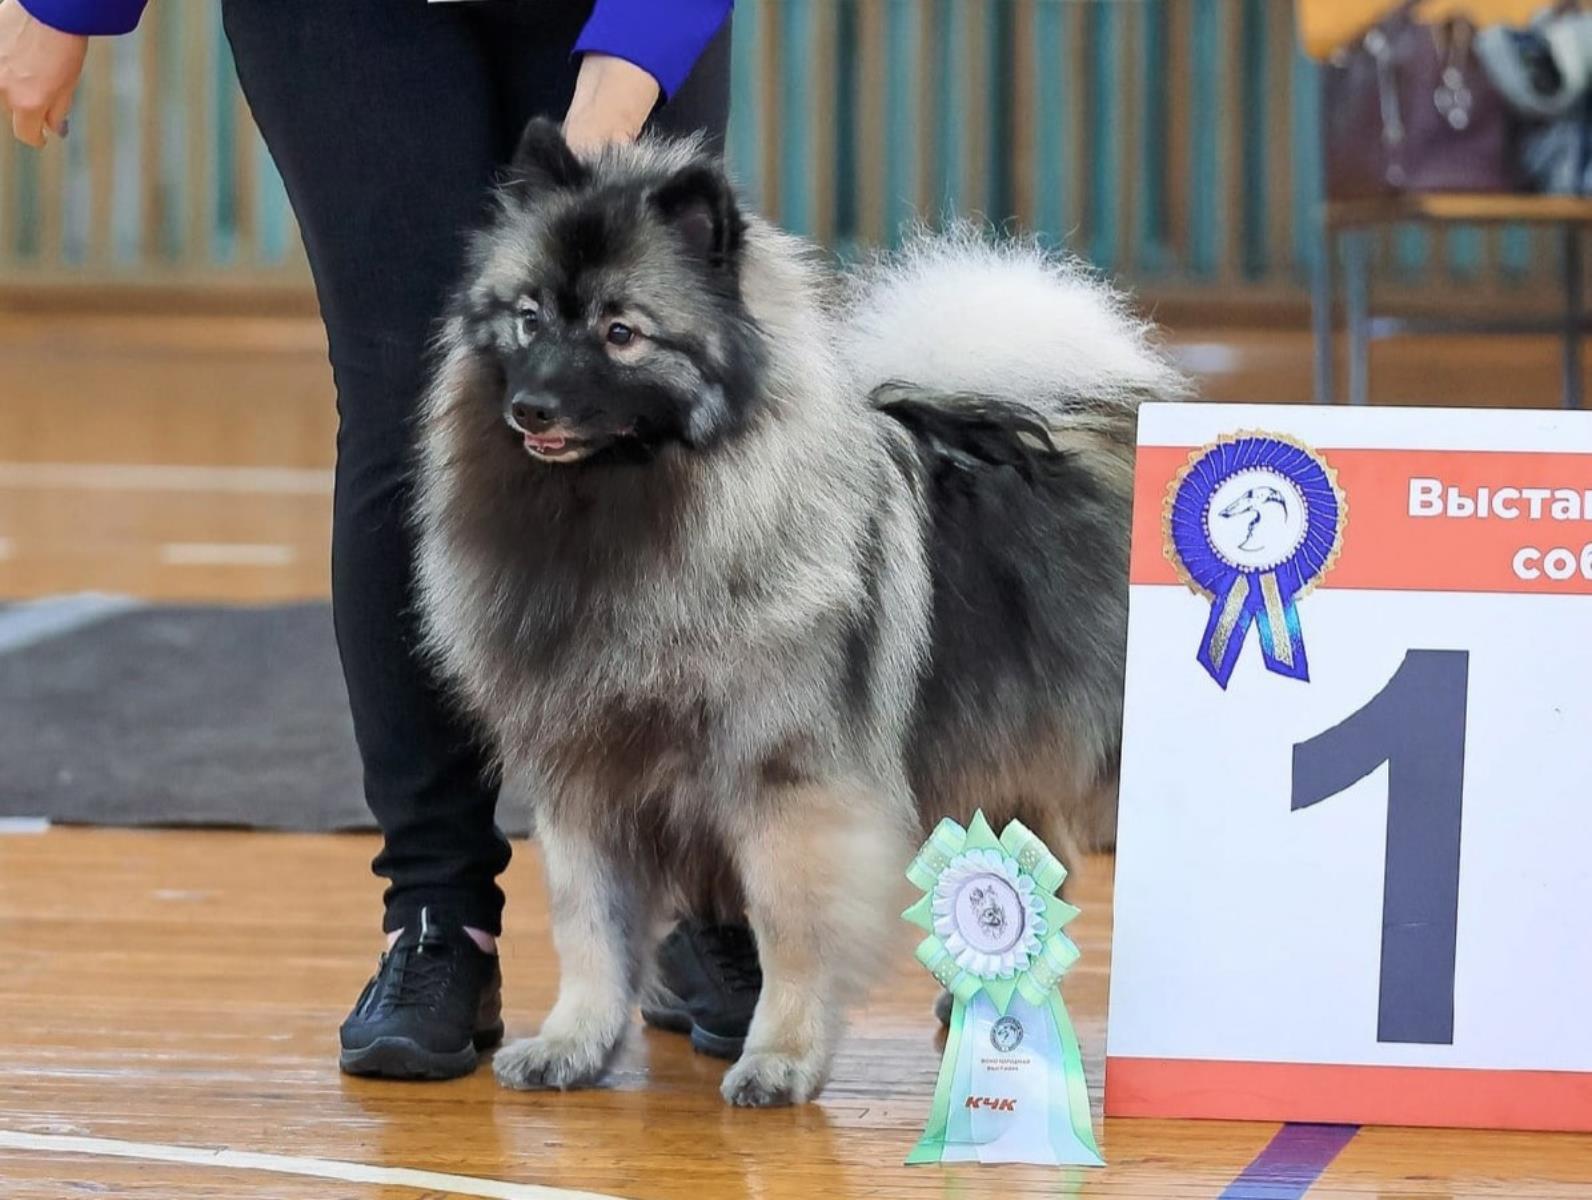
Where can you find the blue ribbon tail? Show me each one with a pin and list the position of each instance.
(1282, 644)
(1231, 615)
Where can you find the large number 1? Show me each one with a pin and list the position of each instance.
(1415, 724)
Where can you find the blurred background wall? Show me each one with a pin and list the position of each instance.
(1172, 142)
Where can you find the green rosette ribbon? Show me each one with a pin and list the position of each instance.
(1011, 1086)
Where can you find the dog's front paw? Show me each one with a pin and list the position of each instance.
(531, 1064)
(766, 1080)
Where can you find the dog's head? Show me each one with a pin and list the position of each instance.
(987, 906)
(605, 302)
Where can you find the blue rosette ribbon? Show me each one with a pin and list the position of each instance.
(1011, 1085)
(1252, 523)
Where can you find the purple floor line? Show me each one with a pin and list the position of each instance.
(1291, 1162)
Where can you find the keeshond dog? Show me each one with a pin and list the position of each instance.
(753, 570)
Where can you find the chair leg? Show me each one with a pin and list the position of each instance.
(1572, 316)
(1357, 313)
(1321, 300)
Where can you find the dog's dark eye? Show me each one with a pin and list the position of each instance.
(530, 316)
(619, 334)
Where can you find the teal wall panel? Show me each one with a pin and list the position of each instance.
(23, 193)
(742, 138)
(1305, 164)
(902, 48)
(1464, 247)
(276, 216)
(1000, 59)
(1257, 76)
(127, 213)
(1055, 156)
(174, 118)
(1150, 231)
(794, 133)
(1103, 165)
(950, 109)
(221, 169)
(73, 202)
(847, 184)
(1207, 170)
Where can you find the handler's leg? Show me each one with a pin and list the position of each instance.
(380, 119)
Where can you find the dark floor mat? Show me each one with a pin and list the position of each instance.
(182, 716)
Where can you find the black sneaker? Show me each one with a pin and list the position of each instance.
(435, 1000)
(709, 980)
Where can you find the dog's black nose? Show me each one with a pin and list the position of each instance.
(534, 412)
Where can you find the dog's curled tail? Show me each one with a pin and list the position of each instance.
(963, 312)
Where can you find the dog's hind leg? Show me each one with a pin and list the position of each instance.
(821, 868)
(602, 927)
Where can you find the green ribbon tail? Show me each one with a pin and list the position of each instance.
(931, 1146)
(1076, 1082)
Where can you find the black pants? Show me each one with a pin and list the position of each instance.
(387, 120)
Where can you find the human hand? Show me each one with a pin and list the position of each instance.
(613, 99)
(39, 68)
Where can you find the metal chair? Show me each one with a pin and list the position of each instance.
(1346, 225)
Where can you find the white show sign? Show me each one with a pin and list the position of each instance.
(1354, 873)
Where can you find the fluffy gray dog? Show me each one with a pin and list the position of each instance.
(753, 573)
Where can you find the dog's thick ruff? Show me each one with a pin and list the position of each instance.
(755, 602)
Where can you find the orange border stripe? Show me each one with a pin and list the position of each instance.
(1383, 546)
(1359, 1095)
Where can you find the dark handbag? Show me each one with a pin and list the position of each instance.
(1408, 108)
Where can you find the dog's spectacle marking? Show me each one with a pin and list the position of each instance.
(282, 1164)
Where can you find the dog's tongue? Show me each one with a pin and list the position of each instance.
(544, 443)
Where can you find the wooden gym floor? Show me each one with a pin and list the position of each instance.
(169, 1000)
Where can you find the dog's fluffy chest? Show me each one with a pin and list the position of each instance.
(645, 684)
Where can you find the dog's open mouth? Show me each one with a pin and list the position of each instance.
(557, 447)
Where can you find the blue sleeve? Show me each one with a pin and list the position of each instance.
(662, 37)
(90, 17)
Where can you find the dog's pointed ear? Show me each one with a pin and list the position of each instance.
(698, 203)
(543, 161)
